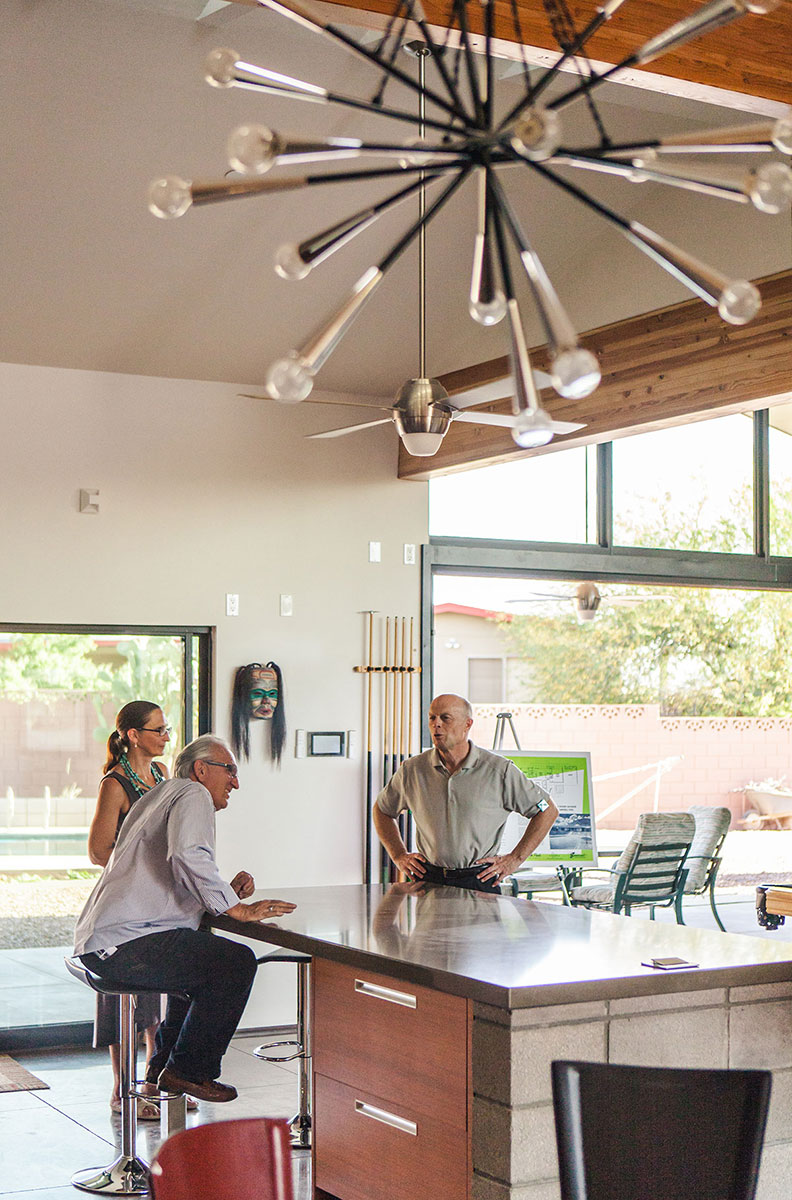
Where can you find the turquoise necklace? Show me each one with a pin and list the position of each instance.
(137, 783)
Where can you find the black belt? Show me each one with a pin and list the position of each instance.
(455, 872)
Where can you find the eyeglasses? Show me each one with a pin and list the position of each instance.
(161, 729)
(232, 768)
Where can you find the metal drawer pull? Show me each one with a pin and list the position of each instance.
(383, 993)
(379, 1114)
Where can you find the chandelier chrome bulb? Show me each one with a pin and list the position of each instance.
(468, 136)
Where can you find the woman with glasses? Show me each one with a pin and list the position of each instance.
(140, 736)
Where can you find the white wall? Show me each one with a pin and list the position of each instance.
(202, 493)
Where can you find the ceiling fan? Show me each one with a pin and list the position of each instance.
(587, 599)
(423, 411)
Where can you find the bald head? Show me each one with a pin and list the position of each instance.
(450, 718)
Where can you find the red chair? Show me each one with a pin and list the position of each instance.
(225, 1160)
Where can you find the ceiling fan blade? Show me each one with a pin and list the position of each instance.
(496, 389)
(540, 598)
(340, 403)
(507, 421)
(331, 433)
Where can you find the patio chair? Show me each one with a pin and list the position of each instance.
(225, 1160)
(649, 872)
(658, 1133)
(703, 861)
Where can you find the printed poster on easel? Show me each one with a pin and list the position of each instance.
(567, 777)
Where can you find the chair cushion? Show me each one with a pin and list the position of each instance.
(528, 881)
(711, 824)
(656, 828)
(595, 894)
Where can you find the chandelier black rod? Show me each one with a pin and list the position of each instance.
(639, 236)
(326, 97)
(295, 13)
(489, 26)
(436, 54)
(232, 189)
(401, 245)
(318, 246)
(597, 21)
(712, 15)
(460, 11)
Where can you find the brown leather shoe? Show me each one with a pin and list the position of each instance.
(209, 1089)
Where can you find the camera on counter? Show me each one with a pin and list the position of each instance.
(765, 919)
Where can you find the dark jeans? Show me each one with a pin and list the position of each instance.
(463, 877)
(215, 973)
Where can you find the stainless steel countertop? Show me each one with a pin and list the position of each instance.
(512, 953)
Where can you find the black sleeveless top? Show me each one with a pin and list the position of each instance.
(131, 792)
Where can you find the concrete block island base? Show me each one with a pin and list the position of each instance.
(436, 1016)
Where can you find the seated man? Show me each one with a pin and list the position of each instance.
(460, 797)
(140, 923)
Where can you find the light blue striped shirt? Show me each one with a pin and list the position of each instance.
(162, 873)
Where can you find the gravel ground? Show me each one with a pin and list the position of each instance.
(40, 912)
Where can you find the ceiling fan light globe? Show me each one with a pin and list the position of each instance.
(422, 445)
(532, 428)
(575, 373)
(537, 134)
(169, 197)
(585, 615)
(289, 263)
(782, 134)
(488, 312)
(252, 149)
(771, 188)
(739, 302)
(220, 67)
(288, 380)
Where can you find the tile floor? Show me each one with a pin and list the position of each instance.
(47, 1135)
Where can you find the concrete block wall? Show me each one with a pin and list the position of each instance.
(514, 1152)
(717, 756)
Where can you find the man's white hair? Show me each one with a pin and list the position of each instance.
(205, 746)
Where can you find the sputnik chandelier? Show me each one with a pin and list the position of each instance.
(464, 138)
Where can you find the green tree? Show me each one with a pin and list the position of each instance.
(693, 651)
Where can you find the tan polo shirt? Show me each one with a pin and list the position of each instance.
(460, 818)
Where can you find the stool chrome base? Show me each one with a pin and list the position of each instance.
(124, 1177)
(300, 1132)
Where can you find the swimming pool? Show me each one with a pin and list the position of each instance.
(46, 842)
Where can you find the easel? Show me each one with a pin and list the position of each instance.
(500, 727)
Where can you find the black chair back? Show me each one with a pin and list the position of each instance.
(658, 1133)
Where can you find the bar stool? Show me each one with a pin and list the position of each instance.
(128, 1174)
(300, 1124)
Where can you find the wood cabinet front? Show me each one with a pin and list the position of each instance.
(391, 1087)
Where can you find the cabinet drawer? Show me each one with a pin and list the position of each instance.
(367, 1148)
(388, 1036)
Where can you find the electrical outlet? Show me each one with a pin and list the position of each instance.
(232, 604)
(375, 551)
(409, 554)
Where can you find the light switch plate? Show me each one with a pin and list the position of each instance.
(286, 606)
(375, 551)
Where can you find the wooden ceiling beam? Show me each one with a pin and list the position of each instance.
(666, 367)
(747, 64)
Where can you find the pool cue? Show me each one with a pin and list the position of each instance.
(410, 726)
(402, 693)
(367, 856)
(384, 869)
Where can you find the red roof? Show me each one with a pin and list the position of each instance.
(466, 610)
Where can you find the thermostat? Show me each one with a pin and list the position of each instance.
(326, 745)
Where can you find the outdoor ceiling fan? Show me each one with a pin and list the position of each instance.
(587, 599)
(423, 411)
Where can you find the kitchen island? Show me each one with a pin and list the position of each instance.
(436, 1016)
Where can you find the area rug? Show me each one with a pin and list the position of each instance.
(14, 1078)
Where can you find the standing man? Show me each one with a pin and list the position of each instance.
(460, 797)
(140, 924)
